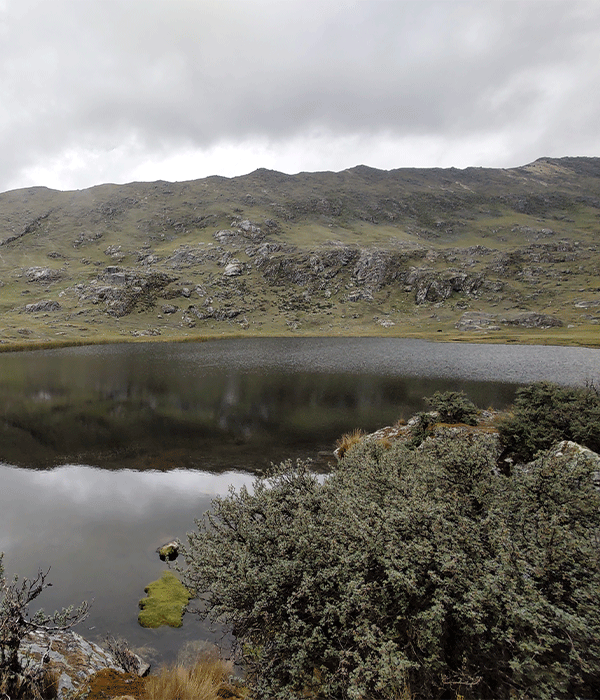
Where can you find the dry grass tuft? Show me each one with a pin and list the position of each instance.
(385, 442)
(347, 441)
(208, 679)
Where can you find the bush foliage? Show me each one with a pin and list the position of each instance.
(418, 573)
(544, 413)
(454, 407)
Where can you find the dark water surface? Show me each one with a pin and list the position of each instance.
(109, 451)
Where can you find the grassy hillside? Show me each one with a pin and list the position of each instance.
(474, 254)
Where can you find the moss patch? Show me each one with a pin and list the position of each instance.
(109, 683)
(165, 603)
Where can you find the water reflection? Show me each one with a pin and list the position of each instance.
(99, 530)
(226, 404)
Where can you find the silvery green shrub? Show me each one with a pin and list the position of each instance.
(453, 407)
(544, 413)
(418, 573)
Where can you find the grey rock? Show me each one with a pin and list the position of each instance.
(587, 304)
(532, 320)
(226, 236)
(42, 274)
(432, 286)
(233, 269)
(112, 250)
(42, 306)
(72, 657)
(476, 321)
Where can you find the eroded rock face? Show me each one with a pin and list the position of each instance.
(41, 306)
(72, 657)
(533, 320)
(481, 321)
(433, 286)
(477, 321)
(122, 290)
(42, 274)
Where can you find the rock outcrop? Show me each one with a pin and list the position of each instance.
(73, 659)
(482, 321)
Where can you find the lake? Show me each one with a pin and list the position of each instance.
(108, 452)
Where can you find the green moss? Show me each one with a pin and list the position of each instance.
(165, 603)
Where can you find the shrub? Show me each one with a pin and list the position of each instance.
(20, 678)
(453, 407)
(544, 413)
(422, 429)
(409, 573)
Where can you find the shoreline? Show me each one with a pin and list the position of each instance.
(522, 337)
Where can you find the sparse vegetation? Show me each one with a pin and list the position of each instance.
(348, 441)
(22, 678)
(208, 679)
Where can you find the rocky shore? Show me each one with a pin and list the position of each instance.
(74, 659)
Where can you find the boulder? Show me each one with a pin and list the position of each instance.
(476, 321)
(169, 551)
(41, 306)
(42, 274)
(233, 268)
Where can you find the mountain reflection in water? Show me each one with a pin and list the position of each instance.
(242, 403)
(163, 428)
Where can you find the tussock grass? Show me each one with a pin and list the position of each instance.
(348, 441)
(207, 679)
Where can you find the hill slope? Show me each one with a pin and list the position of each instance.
(508, 254)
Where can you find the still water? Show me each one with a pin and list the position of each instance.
(107, 452)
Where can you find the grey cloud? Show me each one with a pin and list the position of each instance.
(170, 73)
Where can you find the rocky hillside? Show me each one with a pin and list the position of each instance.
(477, 253)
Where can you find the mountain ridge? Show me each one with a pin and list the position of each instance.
(361, 251)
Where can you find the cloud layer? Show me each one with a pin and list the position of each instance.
(107, 90)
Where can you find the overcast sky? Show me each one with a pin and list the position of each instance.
(96, 91)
